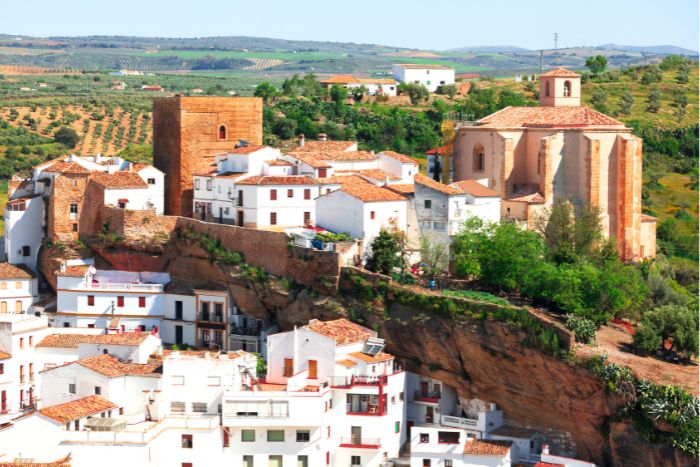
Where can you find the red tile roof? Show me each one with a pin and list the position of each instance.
(340, 79)
(321, 159)
(341, 331)
(346, 363)
(67, 168)
(402, 188)
(249, 149)
(77, 409)
(534, 198)
(325, 146)
(380, 357)
(563, 72)
(278, 180)
(439, 150)
(359, 188)
(374, 174)
(112, 367)
(549, 117)
(278, 162)
(74, 271)
(15, 271)
(119, 180)
(488, 447)
(648, 218)
(437, 186)
(400, 157)
(476, 189)
(71, 341)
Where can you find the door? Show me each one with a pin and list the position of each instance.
(429, 414)
(3, 307)
(178, 335)
(356, 435)
(221, 215)
(313, 369)
(240, 219)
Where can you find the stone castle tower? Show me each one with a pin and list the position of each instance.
(189, 131)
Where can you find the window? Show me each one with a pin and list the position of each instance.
(71, 388)
(355, 460)
(151, 181)
(120, 301)
(322, 173)
(307, 217)
(302, 461)
(546, 89)
(222, 132)
(290, 193)
(313, 369)
(248, 461)
(18, 285)
(98, 390)
(275, 436)
(448, 437)
(178, 309)
(401, 395)
(307, 193)
(448, 462)
(274, 461)
(240, 197)
(3, 285)
(439, 226)
(199, 407)
(186, 464)
(196, 184)
(428, 204)
(187, 441)
(208, 185)
(288, 367)
(73, 210)
(273, 218)
(372, 215)
(425, 437)
(397, 427)
(567, 88)
(142, 302)
(2, 368)
(426, 462)
(248, 436)
(303, 436)
(21, 342)
(273, 195)
(328, 458)
(478, 158)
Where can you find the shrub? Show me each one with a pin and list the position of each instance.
(584, 329)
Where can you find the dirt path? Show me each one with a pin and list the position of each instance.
(616, 342)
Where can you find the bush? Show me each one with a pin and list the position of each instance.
(669, 329)
(584, 329)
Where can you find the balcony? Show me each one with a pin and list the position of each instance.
(358, 380)
(459, 422)
(360, 443)
(432, 397)
(210, 344)
(210, 317)
(246, 331)
(366, 409)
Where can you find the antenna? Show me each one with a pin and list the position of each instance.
(556, 40)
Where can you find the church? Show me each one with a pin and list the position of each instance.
(533, 155)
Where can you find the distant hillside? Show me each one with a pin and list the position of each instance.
(653, 49)
(490, 49)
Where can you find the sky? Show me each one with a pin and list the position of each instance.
(418, 24)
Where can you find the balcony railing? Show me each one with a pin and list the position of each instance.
(359, 442)
(372, 409)
(427, 396)
(458, 422)
(125, 286)
(358, 380)
(210, 317)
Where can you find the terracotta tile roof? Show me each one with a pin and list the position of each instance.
(439, 150)
(322, 159)
(486, 447)
(249, 149)
(275, 162)
(380, 357)
(138, 167)
(376, 81)
(563, 72)
(534, 198)
(403, 188)
(400, 157)
(15, 271)
(71, 341)
(476, 189)
(374, 174)
(4, 355)
(418, 66)
(278, 180)
(324, 146)
(514, 431)
(270, 387)
(77, 409)
(368, 192)
(112, 367)
(340, 79)
(437, 186)
(341, 330)
(648, 218)
(549, 117)
(64, 462)
(67, 168)
(346, 363)
(74, 271)
(120, 180)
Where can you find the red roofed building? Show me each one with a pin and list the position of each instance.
(532, 155)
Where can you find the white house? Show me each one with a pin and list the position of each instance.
(481, 201)
(373, 86)
(24, 227)
(430, 76)
(436, 446)
(18, 288)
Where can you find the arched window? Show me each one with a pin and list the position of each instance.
(546, 89)
(567, 88)
(222, 132)
(478, 158)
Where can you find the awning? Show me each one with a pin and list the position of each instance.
(105, 424)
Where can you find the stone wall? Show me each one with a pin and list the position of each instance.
(68, 189)
(186, 138)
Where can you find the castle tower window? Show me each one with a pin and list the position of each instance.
(567, 88)
(222, 132)
(546, 89)
(478, 158)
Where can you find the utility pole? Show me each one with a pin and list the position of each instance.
(556, 40)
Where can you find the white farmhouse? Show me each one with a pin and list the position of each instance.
(430, 76)
(373, 86)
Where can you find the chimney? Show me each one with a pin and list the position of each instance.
(301, 139)
(98, 158)
(322, 137)
(545, 449)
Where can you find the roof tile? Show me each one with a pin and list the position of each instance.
(341, 331)
(549, 117)
(120, 180)
(488, 447)
(77, 409)
(437, 186)
(15, 271)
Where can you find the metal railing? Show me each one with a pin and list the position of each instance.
(458, 422)
(418, 395)
(360, 442)
(210, 317)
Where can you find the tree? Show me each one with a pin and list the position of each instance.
(654, 101)
(358, 93)
(680, 100)
(416, 92)
(449, 90)
(668, 329)
(683, 73)
(67, 137)
(387, 252)
(652, 74)
(267, 91)
(597, 64)
(559, 232)
(465, 248)
(672, 61)
(434, 256)
(626, 102)
(599, 99)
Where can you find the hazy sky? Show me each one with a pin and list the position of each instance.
(406, 23)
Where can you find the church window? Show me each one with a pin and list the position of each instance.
(567, 88)
(222, 132)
